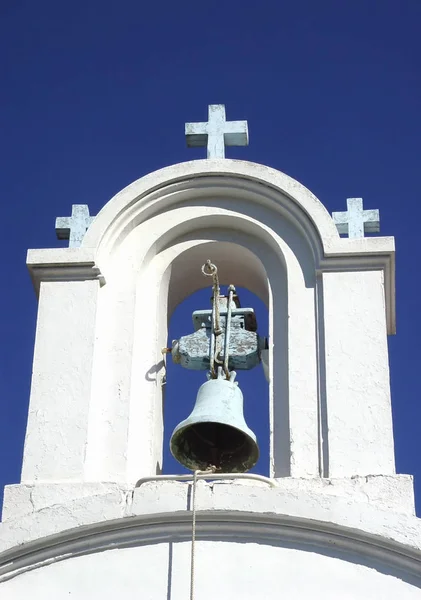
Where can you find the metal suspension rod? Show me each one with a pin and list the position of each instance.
(210, 270)
(231, 290)
(212, 343)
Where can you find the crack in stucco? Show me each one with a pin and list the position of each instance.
(31, 499)
(126, 501)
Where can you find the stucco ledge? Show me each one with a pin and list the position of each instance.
(158, 510)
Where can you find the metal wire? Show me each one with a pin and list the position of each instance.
(209, 474)
(193, 536)
(209, 471)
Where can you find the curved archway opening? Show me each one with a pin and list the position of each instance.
(264, 238)
(246, 263)
(187, 289)
(173, 273)
(182, 384)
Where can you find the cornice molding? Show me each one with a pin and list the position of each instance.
(62, 264)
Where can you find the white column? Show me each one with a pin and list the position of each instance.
(61, 382)
(106, 451)
(302, 370)
(359, 419)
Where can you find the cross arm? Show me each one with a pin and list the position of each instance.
(341, 221)
(63, 228)
(196, 134)
(236, 133)
(372, 221)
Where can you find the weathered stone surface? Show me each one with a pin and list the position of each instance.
(74, 228)
(369, 545)
(356, 221)
(217, 132)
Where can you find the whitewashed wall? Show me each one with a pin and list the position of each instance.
(248, 570)
(345, 539)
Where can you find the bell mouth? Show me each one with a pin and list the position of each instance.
(207, 444)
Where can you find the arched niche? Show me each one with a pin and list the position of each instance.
(237, 263)
(154, 265)
(182, 385)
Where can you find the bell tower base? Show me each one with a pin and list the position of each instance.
(386, 492)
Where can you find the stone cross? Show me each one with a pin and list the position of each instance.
(74, 228)
(217, 132)
(356, 221)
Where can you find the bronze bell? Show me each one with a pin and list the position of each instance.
(216, 434)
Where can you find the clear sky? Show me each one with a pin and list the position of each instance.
(95, 94)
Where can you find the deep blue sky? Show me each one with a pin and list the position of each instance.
(96, 94)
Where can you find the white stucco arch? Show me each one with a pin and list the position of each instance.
(262, 186)
(193, 180)
(147, 255)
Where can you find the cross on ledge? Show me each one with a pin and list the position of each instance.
(356, 221)
(74, 228)
(217, 132)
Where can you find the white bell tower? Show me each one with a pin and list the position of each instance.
(93, 516)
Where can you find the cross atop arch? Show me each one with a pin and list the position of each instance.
(355, 222)
(74, 228)
(217, 132)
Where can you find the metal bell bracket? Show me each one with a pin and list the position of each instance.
(224, 336)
